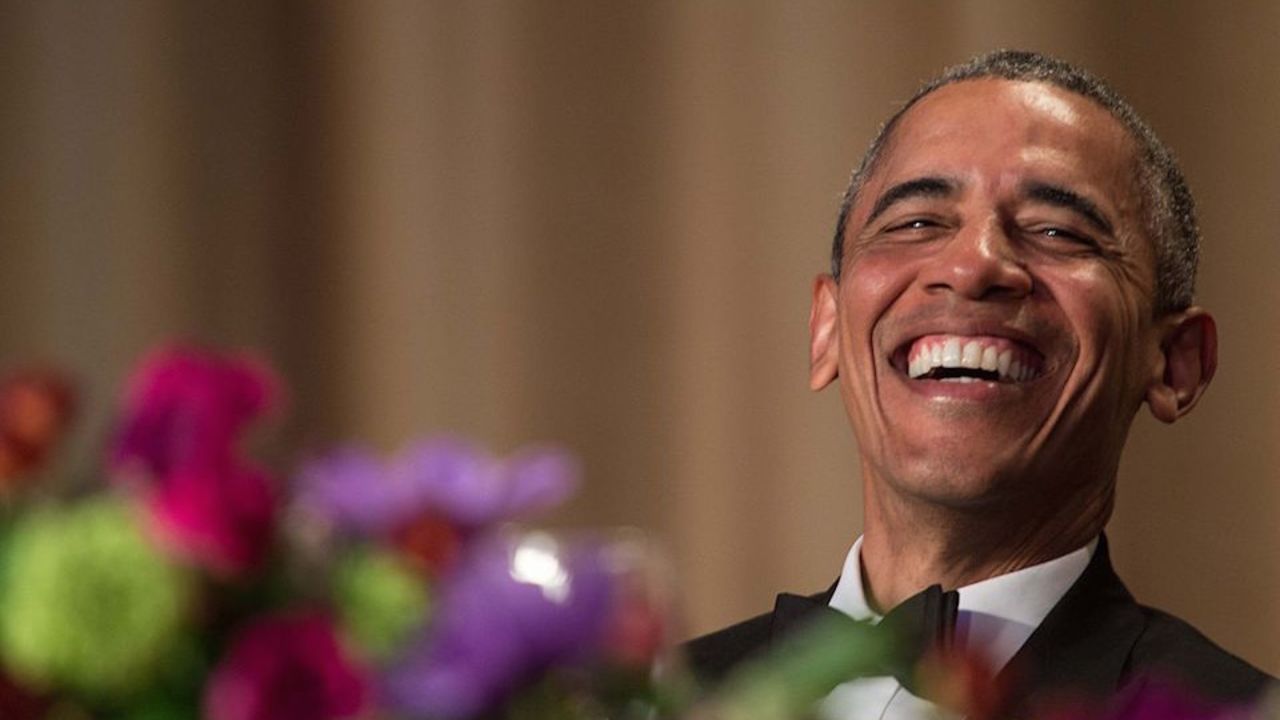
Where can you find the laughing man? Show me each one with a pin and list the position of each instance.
(1011, 281)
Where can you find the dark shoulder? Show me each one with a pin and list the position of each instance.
(1171, 649)
(713, 655)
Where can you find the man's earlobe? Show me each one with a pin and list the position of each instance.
(1189, 349)
(824, 335)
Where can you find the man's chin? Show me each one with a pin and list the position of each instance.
(968, 483)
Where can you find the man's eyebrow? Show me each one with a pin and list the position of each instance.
(918, 187)
(1064, 198)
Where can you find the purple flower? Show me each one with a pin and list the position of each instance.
(446, 477)
(286, 668)
(518, 606)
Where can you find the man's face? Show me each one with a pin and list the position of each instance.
(993, 328)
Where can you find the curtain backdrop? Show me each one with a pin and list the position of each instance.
(596, 224)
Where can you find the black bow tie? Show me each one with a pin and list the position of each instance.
(921, 624)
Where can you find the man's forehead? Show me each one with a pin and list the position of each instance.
(998, 123)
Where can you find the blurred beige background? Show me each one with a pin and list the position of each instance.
(596, 223)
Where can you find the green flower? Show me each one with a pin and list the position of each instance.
(380, 601)
(86, 601)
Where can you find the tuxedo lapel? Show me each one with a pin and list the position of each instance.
(793, 611)
(1083, 645)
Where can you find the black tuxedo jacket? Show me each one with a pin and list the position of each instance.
(1095, 642)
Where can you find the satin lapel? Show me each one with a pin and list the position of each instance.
(790, 612)
(1082, 646)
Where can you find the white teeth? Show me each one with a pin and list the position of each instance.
(951, 353)
(955, 352)
(989, 361)
(921, 363)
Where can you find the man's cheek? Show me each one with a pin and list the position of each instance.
(880, 272)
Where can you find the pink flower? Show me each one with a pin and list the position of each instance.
(186, 407)
(1157, 699)
(184, 413)
(221, 519)
(286, 667)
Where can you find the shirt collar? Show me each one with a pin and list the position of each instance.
(997, 615)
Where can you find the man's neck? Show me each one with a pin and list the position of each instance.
(909, 544)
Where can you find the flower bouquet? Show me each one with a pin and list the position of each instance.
(180, 578)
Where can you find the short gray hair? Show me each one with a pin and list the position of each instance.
(1167, 203)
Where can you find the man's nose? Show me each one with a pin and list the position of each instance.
(979, 263)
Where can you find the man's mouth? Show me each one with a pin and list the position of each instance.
(971, 358)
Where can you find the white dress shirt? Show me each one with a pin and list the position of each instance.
(996, 616)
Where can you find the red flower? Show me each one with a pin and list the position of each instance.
(286, 668)
(35, 409)
(431, 544)
(18, 702)
(184, 413)
(963, 682)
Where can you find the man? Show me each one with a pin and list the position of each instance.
(1011, 281)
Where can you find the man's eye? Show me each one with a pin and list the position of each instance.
(1064, 235)
(1059, 232)
(914, 224)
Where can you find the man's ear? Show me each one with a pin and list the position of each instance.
(824, 340)
(1189, 349)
